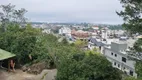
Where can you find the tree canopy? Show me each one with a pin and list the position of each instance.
(91, 67)
(132, 16)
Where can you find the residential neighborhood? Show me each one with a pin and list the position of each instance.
(115, 49)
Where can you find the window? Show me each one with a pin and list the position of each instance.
(131, 73)
(118, 65)
(115, 55)
(111, 53)
(124, 59)
(115, 63)
(124, 68)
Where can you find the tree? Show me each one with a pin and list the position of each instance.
(82, 67)
(10, 14)
(64, 41)
(21, 41)
(132, 15)
(79, 43)
(130, 78)
(133, 23)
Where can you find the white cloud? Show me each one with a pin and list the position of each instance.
(101, 11)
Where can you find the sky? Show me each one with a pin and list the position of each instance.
(91, 11)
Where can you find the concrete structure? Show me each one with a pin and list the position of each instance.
(99, 43)
(95, 43)
(65, 30)
(48, 31)
(104, 32)
(117, 55)
(119, 32)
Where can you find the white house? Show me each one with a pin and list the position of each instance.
(95, 28)
(104, 34)
(64, 30)
(48, 31)
(95, 43)
(99, 43)
(118, 56)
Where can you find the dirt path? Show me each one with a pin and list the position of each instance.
(51, 75)
(20, 75)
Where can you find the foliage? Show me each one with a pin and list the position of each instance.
(21, 41)
(80, 43)
(132, 22)
(81, 67)
(94, 51)
(132, 15)
(138, 68)
(130, 78)
(10, 15)
(30, 44)
(64, 41)
(87, 29)
(115, 27)
(87, 52)
(138, 45)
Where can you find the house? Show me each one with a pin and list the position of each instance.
(118, 56)
(82, 35)
(95, 43)
(65, 31)
(95, 28)
(47, 31)
(99, 43)
(104, 32)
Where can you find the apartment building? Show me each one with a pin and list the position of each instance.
(118, 56)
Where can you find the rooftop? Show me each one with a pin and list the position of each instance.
(5, 54)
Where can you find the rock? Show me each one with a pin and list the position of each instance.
(24, 68)
(37, 68)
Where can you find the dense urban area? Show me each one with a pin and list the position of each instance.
(71, 51)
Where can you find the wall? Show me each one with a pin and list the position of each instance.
(129, 65)
(118, 46)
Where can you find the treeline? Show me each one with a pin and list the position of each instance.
(116, 27)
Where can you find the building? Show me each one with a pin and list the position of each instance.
(82, 35)
(64, 30)
(99, 43)
(95, 28)
(118, 56)
(104, 32)
(47, 31)
(95, 43)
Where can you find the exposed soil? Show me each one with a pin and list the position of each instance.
(20, 75)
(17, 75)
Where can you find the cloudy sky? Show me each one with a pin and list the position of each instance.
(93, 11)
